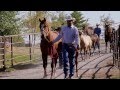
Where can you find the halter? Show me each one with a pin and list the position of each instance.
(46, 34)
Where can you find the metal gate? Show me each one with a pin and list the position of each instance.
(116, 48)
(14, 50)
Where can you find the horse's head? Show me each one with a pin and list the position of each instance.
(44, 27)
(108, 29)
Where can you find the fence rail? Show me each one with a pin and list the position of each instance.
(116, 48)
(12, 53)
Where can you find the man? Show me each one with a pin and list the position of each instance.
(97, 30)
(70, 43)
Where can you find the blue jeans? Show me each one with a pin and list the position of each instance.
(68, 56)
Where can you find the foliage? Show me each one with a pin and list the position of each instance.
(80, 21)
(8, 23)
(106, 20)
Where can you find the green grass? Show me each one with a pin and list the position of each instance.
(102, 41)
(19, 58)
(21, 55)
(117, 77)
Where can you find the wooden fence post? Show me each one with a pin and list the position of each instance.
(12, 64)
(4, 52)
(30, 47)
(1, 50)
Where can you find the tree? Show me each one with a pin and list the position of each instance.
(80, 21)
(58, 21)
(32, 20)
(106, 20)
(9, 23)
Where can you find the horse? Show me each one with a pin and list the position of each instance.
(85, 44)
(94, 37)
(108, 36)
(60, 49)
(47, 35)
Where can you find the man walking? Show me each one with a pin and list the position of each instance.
(70, 43)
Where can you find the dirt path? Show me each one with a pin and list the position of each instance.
(97, 67)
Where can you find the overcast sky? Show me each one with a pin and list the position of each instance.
(94, 16)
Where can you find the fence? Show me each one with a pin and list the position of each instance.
(18, 49)
(116, 48)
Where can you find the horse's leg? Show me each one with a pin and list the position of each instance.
(110, 47)
(59, 50)
(76, 63)
(52, 67)
(60, 59)
(99, 47)
(93, 48)
(44, 57)
(55, 63)
(89, 52)
(98, 44)
(84, 54)
(106, 44)
(81, 53)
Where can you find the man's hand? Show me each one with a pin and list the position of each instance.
(77, 48)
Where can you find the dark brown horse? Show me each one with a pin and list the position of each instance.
(47, 36)
(108, 36)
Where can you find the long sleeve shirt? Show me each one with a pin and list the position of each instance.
(69, 35)
(97, 31)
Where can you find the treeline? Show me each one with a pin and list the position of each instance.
(11, 24)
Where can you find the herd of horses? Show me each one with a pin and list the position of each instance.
(87, 42)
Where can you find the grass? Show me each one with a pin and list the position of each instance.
(102, 41)
(20, 54)
(117, 77)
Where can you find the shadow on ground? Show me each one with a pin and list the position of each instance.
(26, 66)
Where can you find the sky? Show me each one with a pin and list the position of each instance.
(94, 16)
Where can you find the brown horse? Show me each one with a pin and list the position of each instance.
(94, 37)
(108, 36)
(47, 36)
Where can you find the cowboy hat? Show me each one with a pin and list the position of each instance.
(97, 24)
(70, 18)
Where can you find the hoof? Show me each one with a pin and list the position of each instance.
(45, 76)
(51, 77)
(77, 75)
